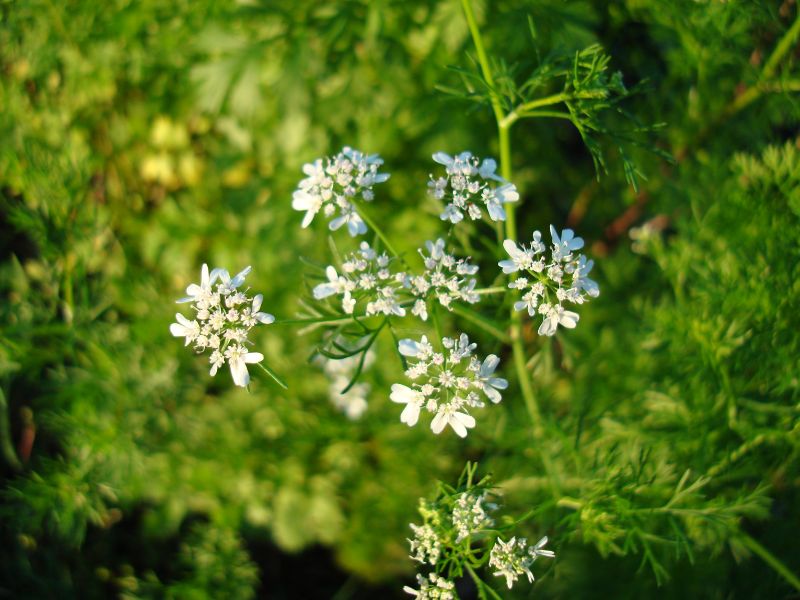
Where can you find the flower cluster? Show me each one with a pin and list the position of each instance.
(224, 317)
(332, 184)
(513, 558)
(470, 514)
(445, 279)
(432, 587)
(470, 184)
(550, 283)
(353, 402)
(425, 547)
(447, 383)
(365, 278)
(458, 530)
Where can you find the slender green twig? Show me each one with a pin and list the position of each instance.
(485, 324)
(273, 375)
(378, 231)
(483, 59)
(781, 48)
(504, 138)
(479, 583)
(436, 324)
(771, 560)
(766, 84)
(490, 290)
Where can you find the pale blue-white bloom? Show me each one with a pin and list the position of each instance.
(555, 315)
(432, 586)
(197, 291)
(185, 328)
(355, 224)
(514, 558)
(548, 282)
(446, 384)
(469, 184)
(238, 359)
(445, 279)
(224, 317)
(365, 277)
(490, 384)
(564, 244)
(353, 402)
(413, 400)
(448, 414)
(336, 284)
(333, 185)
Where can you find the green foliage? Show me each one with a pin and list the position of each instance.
(139, 141)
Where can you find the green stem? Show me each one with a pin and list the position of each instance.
(6, 445)
(69, 303)
(524, 110)
(771, 560)
(485, 324)
(504, 140)
(486, 70)
(482, 587)
(483, 59)
(783, 46)
(378, 231)
(435, 318)
(273, 375)
(517, 348)
(490, 290)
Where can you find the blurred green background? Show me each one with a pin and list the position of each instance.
(141, 139)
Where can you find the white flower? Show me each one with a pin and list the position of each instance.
(365, 278)
(353, 402)
(185, 328)
(448, 414)
(334, 285)
(434, 587)
(470, 514)
(511, 559)
(520, 259)
(548, 284)
(261, 317)
(227, 284)
(490, 384)
(224, 317)
(413, 399)
(355, 224)
(238, 359)
(446, 384)
(468, 186)
(425, 547)
(332, 184)
(200, 292)
(555, 316)
(444, 279)
(564, 244)
(538, 550)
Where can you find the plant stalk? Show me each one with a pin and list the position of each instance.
(378, 231)
(504, 140)
(771, 560)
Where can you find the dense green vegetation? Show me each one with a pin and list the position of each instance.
(140, 140)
